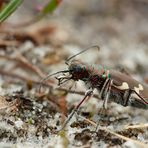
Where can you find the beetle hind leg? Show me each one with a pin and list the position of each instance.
(130, 99)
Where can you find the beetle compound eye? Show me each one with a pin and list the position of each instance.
(78, 69)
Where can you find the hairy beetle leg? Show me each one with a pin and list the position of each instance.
(103, 90)
(107, 91)
(135, 102)
(88, 94)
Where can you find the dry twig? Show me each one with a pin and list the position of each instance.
(22, 60)
(139, 126)
(139, 143)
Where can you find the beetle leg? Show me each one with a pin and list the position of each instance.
(126, 97)
(107, 91)
(63, 79)
(107, 95)
(103, 88)
(146, 102)
(132, 101)
(138, 102)
(88, 94)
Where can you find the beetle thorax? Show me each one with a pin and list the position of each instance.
(84, 72)
(79, 71)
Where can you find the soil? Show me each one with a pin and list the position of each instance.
(32, 117)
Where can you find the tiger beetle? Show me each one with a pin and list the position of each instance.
(111, 85)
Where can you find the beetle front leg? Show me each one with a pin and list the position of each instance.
(88, 94)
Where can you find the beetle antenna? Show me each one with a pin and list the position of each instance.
(49, 75)
(67, 60)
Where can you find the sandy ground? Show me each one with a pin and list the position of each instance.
(29, 118)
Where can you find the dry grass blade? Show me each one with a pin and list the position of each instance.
(137, 126)
(139, 143)
(4, 44)
(21, 59)
(15, 76)
(38, 34)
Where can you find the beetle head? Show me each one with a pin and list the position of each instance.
(76, 70)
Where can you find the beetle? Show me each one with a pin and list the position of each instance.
(112, 85)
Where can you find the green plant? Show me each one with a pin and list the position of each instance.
(11, 6)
